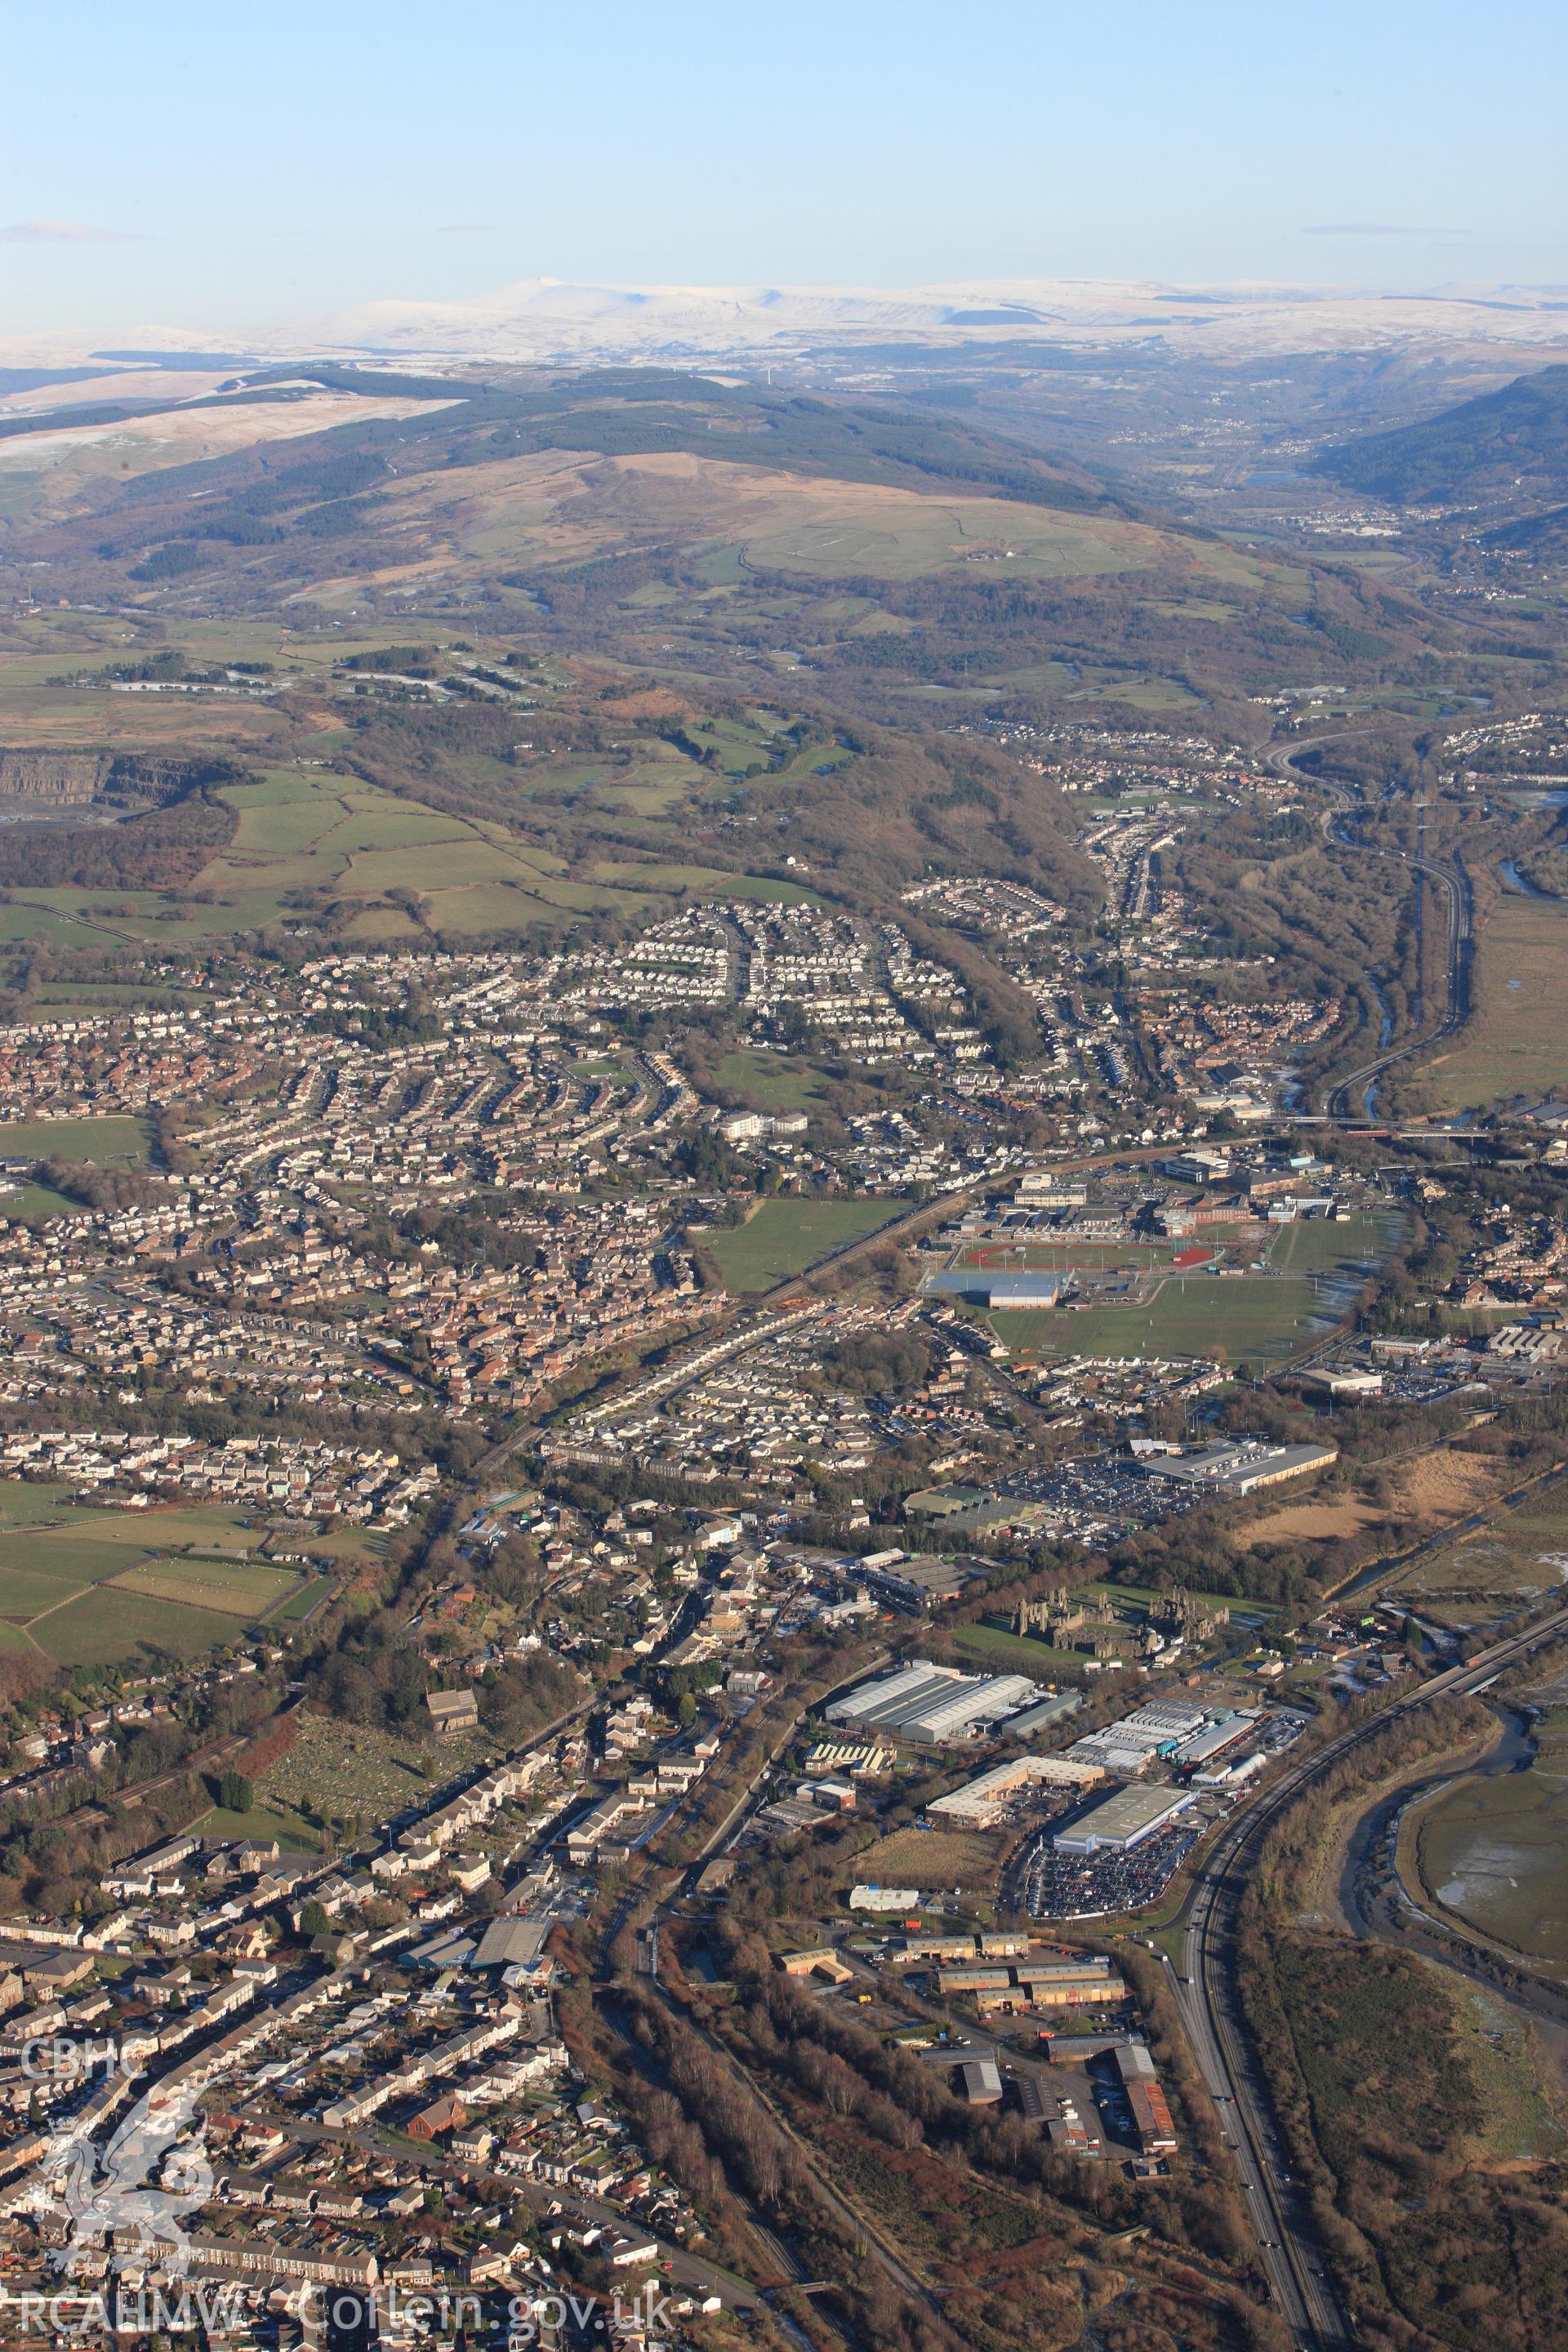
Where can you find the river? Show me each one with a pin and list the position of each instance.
(1514, 880)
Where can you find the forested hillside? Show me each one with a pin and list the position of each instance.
(1510, 446)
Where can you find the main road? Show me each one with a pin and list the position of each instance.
(1452, 880)
(1208, 1996)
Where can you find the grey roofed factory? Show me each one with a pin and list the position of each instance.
(1121, 1820)
(932, 1703)
(1238, 1469)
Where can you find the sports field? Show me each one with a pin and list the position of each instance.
(1053, 1257)
(1257, 1316)
(784, 1237)
(35, 1204)
(243, 1592)
(76, 1139)
(1335, 1244)
(1312, 1267)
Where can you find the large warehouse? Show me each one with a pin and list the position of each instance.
(1048, 1711)
(1121, 1820)
(985, 1801)
(933, 1704)
(1240, 1468)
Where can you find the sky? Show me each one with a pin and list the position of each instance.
(251, 166)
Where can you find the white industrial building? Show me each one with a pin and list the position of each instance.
(1121, 1820)
(1234, 1775)
(932, 1704)
(1131, 1746)
(1240, 1468)
(983, 1802)
(1215, 1736)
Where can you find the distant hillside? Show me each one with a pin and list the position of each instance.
(1544, 536)
(1507, 447)
(617, 412)
(662, 518)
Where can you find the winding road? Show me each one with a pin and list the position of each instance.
(1454, 882)
(1208, 1996)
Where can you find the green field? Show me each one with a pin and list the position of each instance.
(76, 1139)
(888, 536)
(94, 1587)
(117, 995)
(31, 1502)
(103, 1627)
(350, 1548)
(27, 1592)
(293, 1834)
(65, 1537)
(1249, 1315)
(784, 1237)
(1329, 1245)
(650, 789)
(993, 1643)
(318, 831)
(1516, 1040)
(38, 1570)
(313, 830)
(33, 918)
(471, 876)
(772, 1081)
(310, 1596)
(193, 1526)
(380, 866)
(703, 882)
(246, 1592)
(35, 1204)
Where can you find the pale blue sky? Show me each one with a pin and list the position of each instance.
(250, 164)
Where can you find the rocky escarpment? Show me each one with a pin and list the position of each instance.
(54, 776)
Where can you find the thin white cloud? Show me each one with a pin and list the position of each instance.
(1377, 228)
(59, 232)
